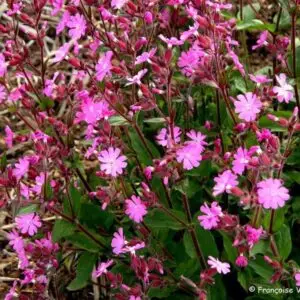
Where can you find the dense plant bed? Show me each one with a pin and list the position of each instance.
(149, 149)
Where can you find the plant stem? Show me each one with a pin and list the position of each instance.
(193, 232)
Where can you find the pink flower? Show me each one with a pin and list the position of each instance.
(262, 40)
(136, 78)
(271, 193)
(253, 235)
(197, 139)
(16, 241)
(39, 182)
(135, 209)
(145, 57)
(77, 25)
(28, 223)
(118, 4)
(190, 156)
(12, 294)
(224, 183)
(188, 62)
(241, 160)
(9, 137)
(221, 267)
(63, 22)
(237, 63)
(212, 215)
(21, 168)
(164, 137)
(62, 52)
(193, 31)
(260, 79)
(91, 112)
(57, 4)
(3, 65)
(247, 106)
(102, 268)
(171, 41)
(118, 241)
(2, 93)
(284, 91)
(111, 162)
(241, 261)
(297, 278)
(104, 65)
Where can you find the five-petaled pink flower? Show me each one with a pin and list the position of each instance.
(224, 183)
(118, 4)
(102, 268)
(135, 209)
(104, 65)
(136, 79)
(272, 194)
(284, 91)
(221, 267)
(21, 168)
(111, 162)
(211, 216)
(253, 235)
(262, 40)
(247, 106)
(118, 241)
(28, 223)
(189, 155)
(145, 57)
(77, 25)
(297, 278)
(197, 139)
(241, 160)
(3, 65)
(164, 137)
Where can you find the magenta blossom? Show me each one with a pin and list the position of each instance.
(111, 162)
(104, 65)
(197, 139)
(164, 137)
(253, 235)
(3, 65)
(9, 137)
(188, 62)
(211, 216)
(262, 40)
(189, 155)
(171, 41)
(284, 91)
(28, 223)
(136, 79)
(3, 93)
(135, 209)
(118, 4)
(21, 168)
(221, 267)
(16, 241)
(62, 52)
(118, 241)
(241, 160)
(247, 106)
(145, 57)
(297, 278)
(272, 194)
(77, 25)
(102, 268)
(241, 261)
(224, 183)
(260, 79)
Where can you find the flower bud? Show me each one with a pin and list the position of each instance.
(148, 17)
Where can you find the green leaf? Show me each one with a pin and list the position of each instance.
(261, 247)
(3, 162)
(161, 293)
(283, 241)
(188, 186)
(261, 268)
(117, 121)
(45, 103)
(155, 120)
(206, 242)
(93, 216)
(290, 61)
(266, 123)
(229, 249)
(84, 269)
(278, 219)
(159, 219)
(141, 150)
(62, 229)
(82, 241)
(204, 169)
(255, 24)
(248, 13)
(28, 209)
